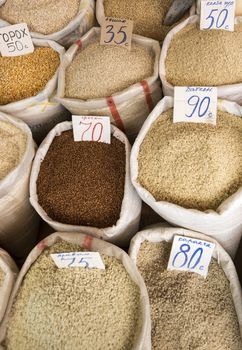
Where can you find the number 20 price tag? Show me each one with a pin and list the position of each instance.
(195, 105)
(91, 128)
(116, 31)
(217, 14)
(191, 254)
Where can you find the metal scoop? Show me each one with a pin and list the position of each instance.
(177, 11)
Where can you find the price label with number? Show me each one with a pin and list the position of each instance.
(191, 254)
(87, 260)
(91, 128)
(116, 31)
(15, 40)
(217, 14)
(195, 105)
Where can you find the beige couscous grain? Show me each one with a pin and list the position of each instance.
(193, 165)
(99, 71)
(42, 16)
(74, 308)
(187, 310)
(204, 57)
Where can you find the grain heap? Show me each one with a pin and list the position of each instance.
(82, 183)
(193, 165)
(25, 76)
(111, 69)
(188, 311)
(74, 308)
(12, 147)
(204, 57)
(148, 15)
(42, 16)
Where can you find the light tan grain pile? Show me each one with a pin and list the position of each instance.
(100, 71)
(205, 57)
(148, 15)
(193, 165)
(12, 147)
(74, 308)
(42, 16)
(188, 311)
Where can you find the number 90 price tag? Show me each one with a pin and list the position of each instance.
(191, 254)
(117, 32)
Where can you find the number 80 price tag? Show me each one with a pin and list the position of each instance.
(117, 32)
(191, 254)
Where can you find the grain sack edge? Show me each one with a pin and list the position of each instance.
(225, 224)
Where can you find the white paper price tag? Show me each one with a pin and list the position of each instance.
(116, 31)
(217, 15)
(15, 40)
(190, 254)
(195, 105)
(88, 260)
(91, 128)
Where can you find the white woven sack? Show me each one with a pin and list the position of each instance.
(79, 25)
(143, 339)
(40, 111)
(10, 271)
(158, 234)
(228, 92)
(129, 108)
(126, 226)
(238, 7)
(18, 220)
(224, 224)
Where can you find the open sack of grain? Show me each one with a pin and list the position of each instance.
(238, 7)
(112, 81)
(85, 186)
(76, 307)
(8, 274)
(28, 84)
(18, 220)
(194, 57)
(60, 20)
(187, 310)
(191, 174)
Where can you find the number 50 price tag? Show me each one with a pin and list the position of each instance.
(116, 31)
(190, 254)
(217, 14)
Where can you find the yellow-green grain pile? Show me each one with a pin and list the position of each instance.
(204, 57)
(74, 308)
(99, 71)
(187, 310)
(193, 165)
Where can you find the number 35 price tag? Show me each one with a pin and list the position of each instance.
(87, 260)
(195, 105)
(191, 254)
(217, 14)
(116, 31)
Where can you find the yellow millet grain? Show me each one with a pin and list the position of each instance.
(42, 16)
(187, 310)
(148, 15)
(205, 57)
(100, 71)
(25, 76)
(76, 308)
(193, 165)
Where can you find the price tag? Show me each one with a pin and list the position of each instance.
(195, 105)
(15, 40)
(116, 31)
(91, 128)
(217, 15)
(87, 260)
(190, 254)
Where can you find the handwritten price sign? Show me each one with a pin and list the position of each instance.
(116, 31)
(91, 128)
(87, 260)
(191, 254)
(217, 15)
(15, 40)
(195, 105)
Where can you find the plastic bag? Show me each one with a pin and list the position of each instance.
(225, 224)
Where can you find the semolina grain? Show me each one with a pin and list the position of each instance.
(193, 165)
